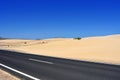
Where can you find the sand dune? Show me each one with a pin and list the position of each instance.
(99, 49)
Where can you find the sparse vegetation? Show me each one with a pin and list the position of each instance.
(43, 42)
(25, 42)
(78, 38)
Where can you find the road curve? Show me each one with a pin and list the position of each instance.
(40, 67)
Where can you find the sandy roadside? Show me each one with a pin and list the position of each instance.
(6, 76)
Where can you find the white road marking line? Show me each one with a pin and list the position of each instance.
(29, 76)
(41, 61)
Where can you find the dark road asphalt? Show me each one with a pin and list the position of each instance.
(50, 68)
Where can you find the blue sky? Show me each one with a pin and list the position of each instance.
(59, 18)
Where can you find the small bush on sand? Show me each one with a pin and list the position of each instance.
(78, 38)
(25, 42)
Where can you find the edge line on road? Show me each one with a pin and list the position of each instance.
(29, 76)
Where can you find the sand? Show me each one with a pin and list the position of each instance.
(104, 49)
(6, 76)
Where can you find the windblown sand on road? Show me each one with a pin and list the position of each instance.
(97, 49)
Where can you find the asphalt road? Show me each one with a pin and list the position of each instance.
(50, 68)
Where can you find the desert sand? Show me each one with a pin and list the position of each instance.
(104, 49)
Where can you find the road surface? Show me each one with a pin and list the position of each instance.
(34, 67)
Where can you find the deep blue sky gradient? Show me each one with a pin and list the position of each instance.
(59, 18)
